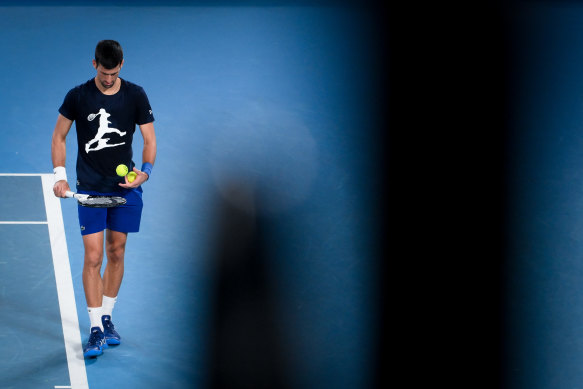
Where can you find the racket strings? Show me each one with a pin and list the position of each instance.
(103, 201)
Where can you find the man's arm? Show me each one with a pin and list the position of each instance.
(148, 155)
(59, 151)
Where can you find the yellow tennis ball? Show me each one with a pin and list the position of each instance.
(121, 170)
(132, 176)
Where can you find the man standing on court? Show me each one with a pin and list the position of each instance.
(104, 144)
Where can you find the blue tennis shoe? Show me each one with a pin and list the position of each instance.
(111, 335)
(95, 344)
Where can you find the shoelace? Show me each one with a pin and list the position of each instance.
(94, 338)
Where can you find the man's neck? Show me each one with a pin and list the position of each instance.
(108, 91)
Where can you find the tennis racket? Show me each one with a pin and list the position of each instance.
(96, 201)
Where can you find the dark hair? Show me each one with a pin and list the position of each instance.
(108, 54)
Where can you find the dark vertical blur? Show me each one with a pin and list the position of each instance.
(245, 343)
(446, 190)
(245, 347)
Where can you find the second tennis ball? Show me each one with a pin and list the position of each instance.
(121, 170)
(132, 176)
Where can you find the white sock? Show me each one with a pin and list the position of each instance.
(107, 305)
(95, 317)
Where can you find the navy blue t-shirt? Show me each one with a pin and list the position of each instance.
(105, 127)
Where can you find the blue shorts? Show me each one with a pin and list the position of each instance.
(124, 218)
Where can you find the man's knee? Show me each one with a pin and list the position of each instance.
(115, 253)
(93, 257)
(115, 246)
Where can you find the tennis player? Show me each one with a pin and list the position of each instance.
(106, 110)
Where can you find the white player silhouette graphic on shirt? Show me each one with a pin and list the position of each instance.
(102, 130)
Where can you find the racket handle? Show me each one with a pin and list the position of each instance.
(78, 196)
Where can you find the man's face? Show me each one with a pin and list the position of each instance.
(107, 77)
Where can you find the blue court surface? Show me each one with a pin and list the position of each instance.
(543, 307)
(256, 254)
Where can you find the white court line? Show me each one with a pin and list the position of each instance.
(65, 292)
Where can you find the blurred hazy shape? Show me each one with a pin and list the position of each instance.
(272, 148)
(245, 346)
